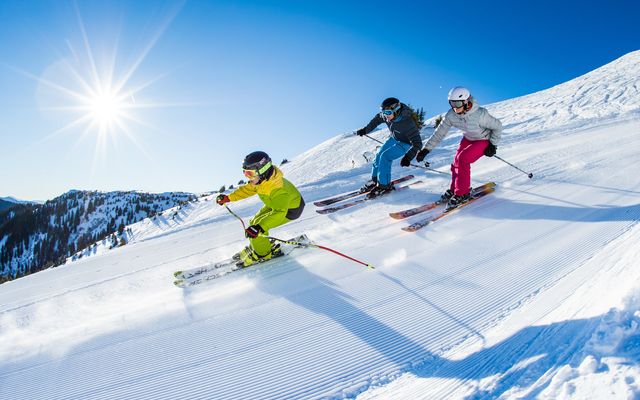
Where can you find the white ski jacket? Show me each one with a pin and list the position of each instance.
(475, 124)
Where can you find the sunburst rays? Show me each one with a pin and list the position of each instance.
(96, 100)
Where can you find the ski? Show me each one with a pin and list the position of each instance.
(199, 275)
(360, 200)
(345, 196)
(228, 267)
(433, 218)
(430, 206)
(222, 268)
(194, 272)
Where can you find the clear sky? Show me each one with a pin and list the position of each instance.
(170, 96)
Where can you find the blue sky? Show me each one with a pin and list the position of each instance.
(206, 82)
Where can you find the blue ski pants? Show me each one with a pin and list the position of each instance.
(392, 149)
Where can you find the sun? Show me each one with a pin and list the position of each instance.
(98, 102)
(105, 108)
(100, 98)
(102, 105)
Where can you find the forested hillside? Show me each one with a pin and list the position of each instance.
(38, 236)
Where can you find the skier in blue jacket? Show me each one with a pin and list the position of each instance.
(405, 142)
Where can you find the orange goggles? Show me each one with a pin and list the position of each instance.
(254, 173)
(250, 173)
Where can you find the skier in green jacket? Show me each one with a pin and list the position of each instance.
(282, 203)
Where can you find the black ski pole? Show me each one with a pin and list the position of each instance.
(426, 163)
(426, 166)
(374, 139)
(244, 227)
(529, 174)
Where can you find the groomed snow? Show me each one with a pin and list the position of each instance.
(531, 292)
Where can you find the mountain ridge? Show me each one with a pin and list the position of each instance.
(38, 236)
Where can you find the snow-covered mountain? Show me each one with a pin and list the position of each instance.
(16, 201)
(530, 292)
(76, 224)
(6, 202)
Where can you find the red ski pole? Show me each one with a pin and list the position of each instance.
(317, 246)
(301, 244)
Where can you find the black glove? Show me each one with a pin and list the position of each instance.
(422, 154)
(490, 151)
(361, 132)
(253, 231)
(406, 160)
(222, 198)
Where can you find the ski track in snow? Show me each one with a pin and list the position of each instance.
(504, 298)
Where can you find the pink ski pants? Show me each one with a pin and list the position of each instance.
(468, 153)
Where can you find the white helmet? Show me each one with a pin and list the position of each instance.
(460, 98)
(459, 93)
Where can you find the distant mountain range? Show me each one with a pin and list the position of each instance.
(5, 204)
(38, 236)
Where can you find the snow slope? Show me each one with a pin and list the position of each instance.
(532, 291)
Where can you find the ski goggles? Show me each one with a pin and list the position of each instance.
(254, 173)
(250, 173)
(390, 111)
(457, 103)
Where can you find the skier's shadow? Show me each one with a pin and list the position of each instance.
(528, 354)
(323, 297)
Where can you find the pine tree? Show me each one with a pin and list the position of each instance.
(421, 114)
(438, 121)
(418, 116)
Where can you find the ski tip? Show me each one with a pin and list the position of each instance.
(178, 282)
(177, 273)
(371, 266)
(484, 186)
(395, 215)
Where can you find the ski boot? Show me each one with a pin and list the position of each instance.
(444, 198)
(456, 200)
(248, 257)
(370, 185)
(380, 190)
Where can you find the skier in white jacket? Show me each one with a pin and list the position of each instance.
(481, 135)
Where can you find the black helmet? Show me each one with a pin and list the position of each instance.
(390, 103)
(257, 163)
(389, 107)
